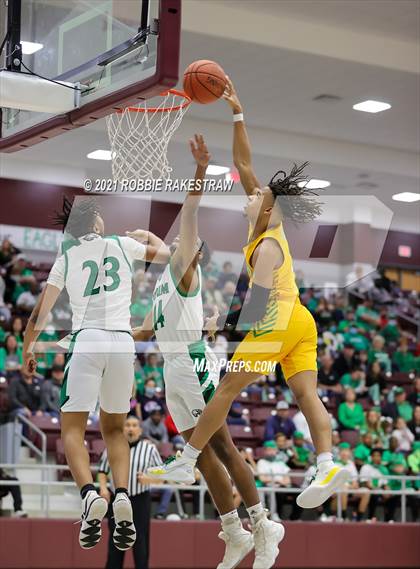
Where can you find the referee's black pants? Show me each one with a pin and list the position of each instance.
(141, 515)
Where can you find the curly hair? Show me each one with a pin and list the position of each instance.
(77, 219)
(296, 201)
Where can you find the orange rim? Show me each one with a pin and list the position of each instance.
(186, 102)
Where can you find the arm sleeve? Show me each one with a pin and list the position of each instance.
(251, 312)
(56, 276)
(134, 250)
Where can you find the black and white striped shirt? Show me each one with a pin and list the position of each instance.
(143, 454)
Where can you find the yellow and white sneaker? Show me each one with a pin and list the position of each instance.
(239, 543)
(174, 469)
(329, 478)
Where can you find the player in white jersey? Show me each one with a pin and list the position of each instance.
(191, 369)
(97, 273)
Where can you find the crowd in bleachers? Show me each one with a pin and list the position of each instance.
(369, 380)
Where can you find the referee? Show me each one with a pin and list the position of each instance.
(143, 454)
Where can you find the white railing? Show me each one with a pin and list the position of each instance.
(47, 484)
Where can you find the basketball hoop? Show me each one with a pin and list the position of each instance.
(140, 135)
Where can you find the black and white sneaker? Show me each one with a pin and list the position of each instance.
(94, 510)
(125, 531)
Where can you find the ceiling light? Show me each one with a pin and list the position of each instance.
(100, 155)
(29, 47)
(214, 170)
(314, 184)
(408, 197)
(371, 106)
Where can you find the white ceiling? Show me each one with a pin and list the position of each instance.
(281, 54)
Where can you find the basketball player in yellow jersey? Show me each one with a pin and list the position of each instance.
(282, 329)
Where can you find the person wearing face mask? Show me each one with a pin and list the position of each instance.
(149, 401)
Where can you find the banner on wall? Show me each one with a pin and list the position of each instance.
(32, 238)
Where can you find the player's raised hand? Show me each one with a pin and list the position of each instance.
(211, 324)
(140, 235)
(231, 96)
(199, 150)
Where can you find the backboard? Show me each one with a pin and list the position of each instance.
(115, 51)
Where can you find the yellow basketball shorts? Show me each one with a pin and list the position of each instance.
(294, 347)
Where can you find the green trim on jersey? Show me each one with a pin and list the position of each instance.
(197, 353)
(182, 293)
(209, 392)
(68, 244)
(117, 239)
(63, 392)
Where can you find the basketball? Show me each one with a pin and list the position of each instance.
(204, 81)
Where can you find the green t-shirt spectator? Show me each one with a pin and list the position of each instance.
(154, 372)
(390, 457)
(362, 453)
(19, 288)
(141, 308)
(139, 379)
(17, 357)
(2, 335)
(348, 381)
(405, 411)
(351, 417)
(358, 341)
(381, 357)
(302, 454)
(364, 311)
(391, 333)
(405, 361)
(312, 304)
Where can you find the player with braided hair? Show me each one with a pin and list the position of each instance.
(281, 329)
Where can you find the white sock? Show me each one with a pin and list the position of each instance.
(191, 452)
(256, 513)
(229, 518)
(324, 457)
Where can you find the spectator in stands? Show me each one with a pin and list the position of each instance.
(377, 353)
(346, 361)
(211, 295)
(273, 472)
(16, 493)
(7, 252)
(345, 459)
(374, 426)
(302, 426)
(375, 381)
(403, 435)
(363, 450)
(230, 297)
(280, 422)
(50, 392)
(350, 413)
(17, 330)
(149, 401)
(372, 477)
(413, 461)
(366, 317)
(154, 428)
(328, 380)
(21, 275)
(356, 379)
(400, 407)
(302, 455)
(348, 321)
(27, 299)
(414, 425)
(153, 369)
(236, 415)
(284, 449)
(24, 396)
(403, 359)
(11, 358)
(414, 397)
(392, 454)
(226, 275)
(5, 313)
(398, 466)
(336, 440)
(323, 313)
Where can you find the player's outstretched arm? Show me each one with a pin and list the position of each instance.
(188, 235)
(145, 331)
(156, 250)
(241, 145)
(36, 323)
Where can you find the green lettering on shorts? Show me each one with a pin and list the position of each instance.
(63, 392)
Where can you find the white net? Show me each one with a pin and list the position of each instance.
(139, 137)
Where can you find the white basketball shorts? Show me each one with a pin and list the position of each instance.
(99, 364)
